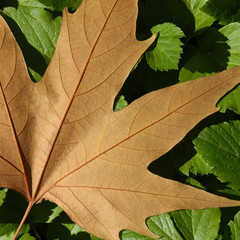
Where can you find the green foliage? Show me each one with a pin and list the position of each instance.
(121, 103)
(195, 38)
(235, 227)
(166, 54)
(219, 147)
(196, 224)
(163, 225)
(202, 20)
(223, 10)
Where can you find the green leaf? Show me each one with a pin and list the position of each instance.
(51, 4)
(235, 227)
(38, 26)
(202, 19)
(231, 101)
(121, 103)
(26, 236)
(163, 225)
(7, 230)
(198, 224)
(219, 147)
(3, 193)
(231, 32)
(224, 11)
(129, 235)
(195, 183)
(196, 165)
(40, 29)
(166, 54)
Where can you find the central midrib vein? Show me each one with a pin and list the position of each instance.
(72, 98)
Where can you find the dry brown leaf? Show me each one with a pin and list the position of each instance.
(61, 140)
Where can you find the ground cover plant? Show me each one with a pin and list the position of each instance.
(195, 39)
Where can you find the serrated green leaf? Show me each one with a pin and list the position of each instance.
(121, 103)
(195, 183)
(7, 230)
(231, 32)
(196, 165)
(129, 235)
(3, 193)
(219, 147)
(41, 31)
(231, 101)
(166, 54)
(202, 19)
(27, 236)
(38, 26)
(235, 227)
(198, 224)
(224, 11)
(163, 226)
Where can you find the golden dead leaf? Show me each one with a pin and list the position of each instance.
(62, 141)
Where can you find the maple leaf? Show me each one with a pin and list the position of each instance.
(62, 141)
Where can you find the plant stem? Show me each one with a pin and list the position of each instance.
(30, 204)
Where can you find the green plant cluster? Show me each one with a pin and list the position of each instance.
(195, 38)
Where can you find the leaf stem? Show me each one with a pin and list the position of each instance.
(30, 204)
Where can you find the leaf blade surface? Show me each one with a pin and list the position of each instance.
(75, 150)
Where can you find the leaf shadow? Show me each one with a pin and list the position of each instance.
(58, 229)
(13, 208)
(167, 166)
(144, 80)
(153, 12)
(223, 10)
(213, 53)
(13, 3)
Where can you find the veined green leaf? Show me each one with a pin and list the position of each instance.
(27, 236)
(166, 54)
(196, 165)
(235, 227)
(38, 26)
(163, 225)
(121, 103)
(41, 31)
(219, 147)
(7, 231)
(202, 19)
(129, 235)
(198, 224)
